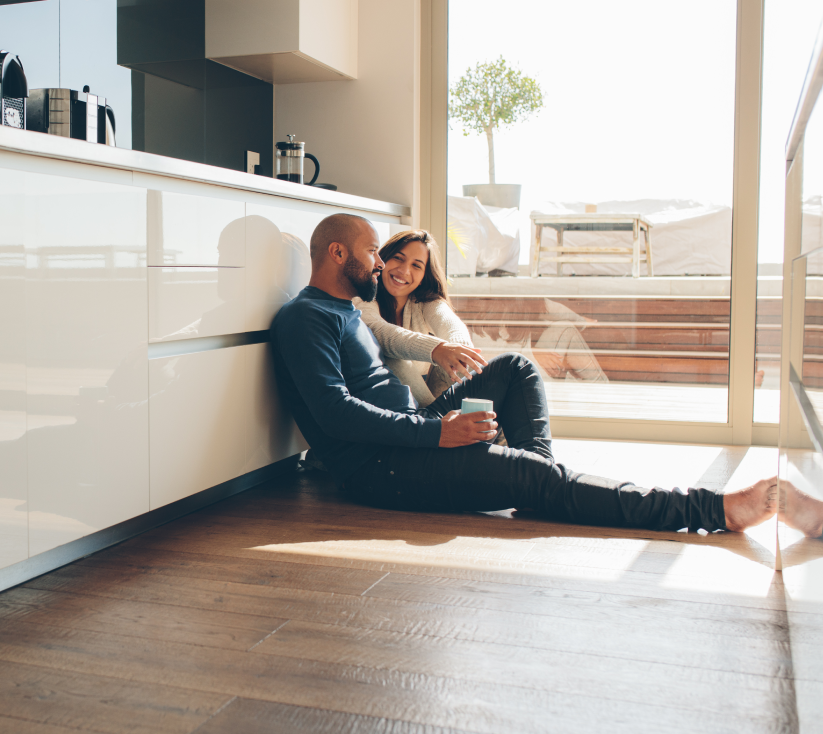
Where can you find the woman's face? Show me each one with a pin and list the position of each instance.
(405, 269)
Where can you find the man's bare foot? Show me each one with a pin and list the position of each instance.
(800, 511)
(751, 506)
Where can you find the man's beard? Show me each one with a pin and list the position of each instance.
(362, 279)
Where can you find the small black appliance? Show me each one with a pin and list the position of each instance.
(14, 90)
(71, 114)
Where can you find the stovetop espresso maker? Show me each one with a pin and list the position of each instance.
(289, 157)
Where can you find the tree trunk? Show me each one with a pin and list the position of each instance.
(490, 139)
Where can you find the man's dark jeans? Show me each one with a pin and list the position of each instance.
(487, 477)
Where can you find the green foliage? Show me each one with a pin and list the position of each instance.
(492, 96)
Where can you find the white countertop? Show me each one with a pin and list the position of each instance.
(51, 146)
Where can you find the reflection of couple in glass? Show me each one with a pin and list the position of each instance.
(412, 309)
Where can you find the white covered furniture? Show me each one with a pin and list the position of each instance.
(481, 238)
(690, 237)
(592, 222)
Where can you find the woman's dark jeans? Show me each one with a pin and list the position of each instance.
(486, 477)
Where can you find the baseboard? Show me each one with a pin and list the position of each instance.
(23, 571)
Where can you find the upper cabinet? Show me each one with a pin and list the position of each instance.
(284, 41)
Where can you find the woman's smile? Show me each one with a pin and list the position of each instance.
(405, 269)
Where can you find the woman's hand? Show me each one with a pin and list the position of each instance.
(554, 364)
(457, 360)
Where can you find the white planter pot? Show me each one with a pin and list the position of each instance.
(506, 196)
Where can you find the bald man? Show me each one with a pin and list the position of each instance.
(365, 426)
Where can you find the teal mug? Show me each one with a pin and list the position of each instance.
(476, 405)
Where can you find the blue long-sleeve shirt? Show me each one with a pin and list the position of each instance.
(330, 372)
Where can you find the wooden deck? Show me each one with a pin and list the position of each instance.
(289, 609)
(639, 339)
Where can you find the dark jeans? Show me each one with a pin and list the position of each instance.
(486, 477)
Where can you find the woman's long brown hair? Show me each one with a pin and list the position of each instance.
(431, 288)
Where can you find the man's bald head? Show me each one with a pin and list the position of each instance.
(342, 228)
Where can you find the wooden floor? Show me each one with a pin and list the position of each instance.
(289, 609)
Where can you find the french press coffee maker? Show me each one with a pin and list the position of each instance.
(290, 157)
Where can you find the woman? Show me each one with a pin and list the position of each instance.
(412, 309)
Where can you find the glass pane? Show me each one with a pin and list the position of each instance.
(626, 165)
(789, 35)
(807, 271)
(801, 473)
(95, 64)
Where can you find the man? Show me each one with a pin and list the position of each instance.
(366, 428)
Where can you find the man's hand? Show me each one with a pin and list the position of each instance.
(456, 359)
(463, 430)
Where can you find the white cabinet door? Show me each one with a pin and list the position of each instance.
(196, 422)
(14, 526)
(271, 433)
(86, 356)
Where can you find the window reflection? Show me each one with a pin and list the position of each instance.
(606, 254)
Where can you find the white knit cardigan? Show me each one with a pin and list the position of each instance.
(408, 349)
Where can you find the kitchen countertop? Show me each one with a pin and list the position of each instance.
(78, 151)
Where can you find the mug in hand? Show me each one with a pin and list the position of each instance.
(476, 405)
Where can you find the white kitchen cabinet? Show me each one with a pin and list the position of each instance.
(196, 422)
(86, 356)
(14, 529)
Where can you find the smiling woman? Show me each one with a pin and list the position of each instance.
(413, 308)
(412, 266)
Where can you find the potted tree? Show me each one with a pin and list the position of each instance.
(486, 98)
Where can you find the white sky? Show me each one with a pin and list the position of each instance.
(639, 99)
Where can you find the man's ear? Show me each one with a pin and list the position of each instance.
(338, 252)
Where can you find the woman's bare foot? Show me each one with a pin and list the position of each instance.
(800, 511)
(751, 506)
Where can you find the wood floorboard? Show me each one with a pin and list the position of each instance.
(437, 561)
(623, 680)
(260, 572)
(656, 634)
(602, 604)
(289, 608)
(294, 535)
(413, 697)
(24, 726)
(294, 574)
(168, 622)
(500, 526)
(545, 575)
(262, 717)
(101, 703)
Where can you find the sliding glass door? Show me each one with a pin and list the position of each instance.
(598, 194)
